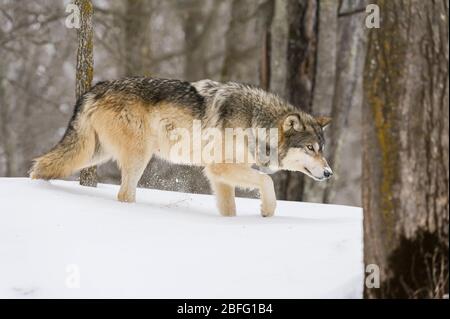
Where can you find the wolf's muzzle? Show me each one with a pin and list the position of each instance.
(327, 172)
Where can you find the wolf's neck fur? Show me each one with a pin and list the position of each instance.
(232, 100)
(267, 108)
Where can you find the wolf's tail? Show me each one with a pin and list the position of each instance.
(73, 152)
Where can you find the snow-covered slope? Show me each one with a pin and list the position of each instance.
(58, 239)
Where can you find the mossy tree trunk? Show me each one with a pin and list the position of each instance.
(85, 70)
(405, 155)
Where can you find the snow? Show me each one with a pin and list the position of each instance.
(62, 240)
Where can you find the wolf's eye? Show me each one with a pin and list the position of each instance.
(310, 147)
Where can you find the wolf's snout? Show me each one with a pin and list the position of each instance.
(327, 172)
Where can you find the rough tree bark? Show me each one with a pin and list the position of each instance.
(338, 93)
(326, 55)
(325, 79)
(195, 23)
(264, 24)
(347, 92)
(248, 19)
(85, 70)
(293, 59)
(137, 38)
(405, 149)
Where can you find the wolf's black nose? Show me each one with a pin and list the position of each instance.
(327, 173)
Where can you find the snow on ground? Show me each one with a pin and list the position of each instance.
(61, 240)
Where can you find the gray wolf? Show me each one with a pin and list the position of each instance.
(132, 119)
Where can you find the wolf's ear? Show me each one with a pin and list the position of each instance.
(291, 121)
(323, 121)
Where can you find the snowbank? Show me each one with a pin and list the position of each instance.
(58, 239)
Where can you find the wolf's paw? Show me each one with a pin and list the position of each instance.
(268, 209)
(228, 213)
(126, 197)
(227, 209)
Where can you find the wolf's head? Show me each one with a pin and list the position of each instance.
(301, 145)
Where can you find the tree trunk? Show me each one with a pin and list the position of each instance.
(348, 92)
(405, 150)
(194, 24)
(264, 58)
(325, 80)
(85, 71)
(137, 37)
(293, 64)
(248, 22)
(326, 56)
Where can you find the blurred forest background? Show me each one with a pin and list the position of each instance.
(385, 88)
(239, 40)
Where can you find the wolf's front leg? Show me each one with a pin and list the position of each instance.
(268, 197)
(245, 176)
(225, 198)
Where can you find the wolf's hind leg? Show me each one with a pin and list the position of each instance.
(225, 197)
(131, 167)
(124, 133)
(245, 176)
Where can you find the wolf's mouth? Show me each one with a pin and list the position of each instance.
(308, 172)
